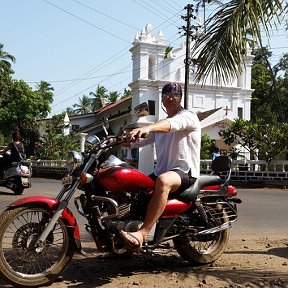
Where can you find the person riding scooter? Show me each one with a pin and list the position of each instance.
(17, 152)
(15, 171)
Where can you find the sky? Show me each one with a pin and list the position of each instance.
(76, 45)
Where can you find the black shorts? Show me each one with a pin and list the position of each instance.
(186, 179)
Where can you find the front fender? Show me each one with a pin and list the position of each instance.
(51, 204)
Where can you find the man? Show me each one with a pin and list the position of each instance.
(177, 141)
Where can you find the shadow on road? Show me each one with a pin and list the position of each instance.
(101, 270)
(6, 193)
(279, 252)
(169, 270)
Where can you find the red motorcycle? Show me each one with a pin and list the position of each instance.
(39, 235)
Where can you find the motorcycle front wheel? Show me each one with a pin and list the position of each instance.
(20, 263)
(203, 249)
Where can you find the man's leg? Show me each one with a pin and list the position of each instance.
(165, 183)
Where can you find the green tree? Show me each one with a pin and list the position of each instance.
(19, 99)
(5, 73)
(269, 99)
(205, 146)
(84, 106)
(113, 96)
(69, 111)
(241, 132)
(126, 93)
(53, 145)
(220, 49)
(269, 139)
(45, 90)
(100, 97)
(5, 60)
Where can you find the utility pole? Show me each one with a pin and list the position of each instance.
(189, 36)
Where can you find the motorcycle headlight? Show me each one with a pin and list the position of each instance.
(74, 161)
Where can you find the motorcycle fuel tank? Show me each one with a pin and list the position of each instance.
(119, 179)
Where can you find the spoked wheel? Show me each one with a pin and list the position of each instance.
(203, 249)
(23, 265)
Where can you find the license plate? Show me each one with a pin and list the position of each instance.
(67, 180)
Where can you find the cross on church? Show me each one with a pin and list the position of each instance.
(226, 110)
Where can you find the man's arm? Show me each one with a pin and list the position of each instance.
(161, 126)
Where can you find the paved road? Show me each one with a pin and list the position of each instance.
(263, 213)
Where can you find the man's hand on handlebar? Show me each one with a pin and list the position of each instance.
(136, 134)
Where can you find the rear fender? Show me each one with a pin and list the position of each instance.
(231, 190)
(51, 204)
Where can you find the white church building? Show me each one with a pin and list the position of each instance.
(216, 106)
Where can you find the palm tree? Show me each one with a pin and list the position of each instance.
(69, 111)
(45, 89)
(99, 99)
(220, 49)
(84, 105)
(5, 59)
(126, 93)
(113, 96)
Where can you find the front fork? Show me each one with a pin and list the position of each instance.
(57, 214)
(64, 203)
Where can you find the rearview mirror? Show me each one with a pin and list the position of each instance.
(141, 110)
(92, 139)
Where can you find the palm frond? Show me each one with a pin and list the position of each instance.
(220, 51)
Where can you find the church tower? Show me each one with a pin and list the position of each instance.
(217, 106)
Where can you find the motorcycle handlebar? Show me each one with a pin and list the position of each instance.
(124, 138)
(113, 140)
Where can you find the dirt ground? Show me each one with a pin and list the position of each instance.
(245, 263)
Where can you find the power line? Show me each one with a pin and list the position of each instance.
(108, 16)
(73, 15)
(87, 22)
(78, 79)
(98, 70)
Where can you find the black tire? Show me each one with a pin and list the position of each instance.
(202, 249)
(20, 264)
(18, 190)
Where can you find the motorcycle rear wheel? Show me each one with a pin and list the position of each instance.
(20, 264)
(203, 249)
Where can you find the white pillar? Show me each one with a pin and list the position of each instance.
(82, 141)
(256, 168)
(66, 129)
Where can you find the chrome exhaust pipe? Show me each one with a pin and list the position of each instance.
(222, 227)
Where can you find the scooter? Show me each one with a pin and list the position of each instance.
(17, 176)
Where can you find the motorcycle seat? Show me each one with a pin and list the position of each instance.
(191, 193)
(219, 164)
